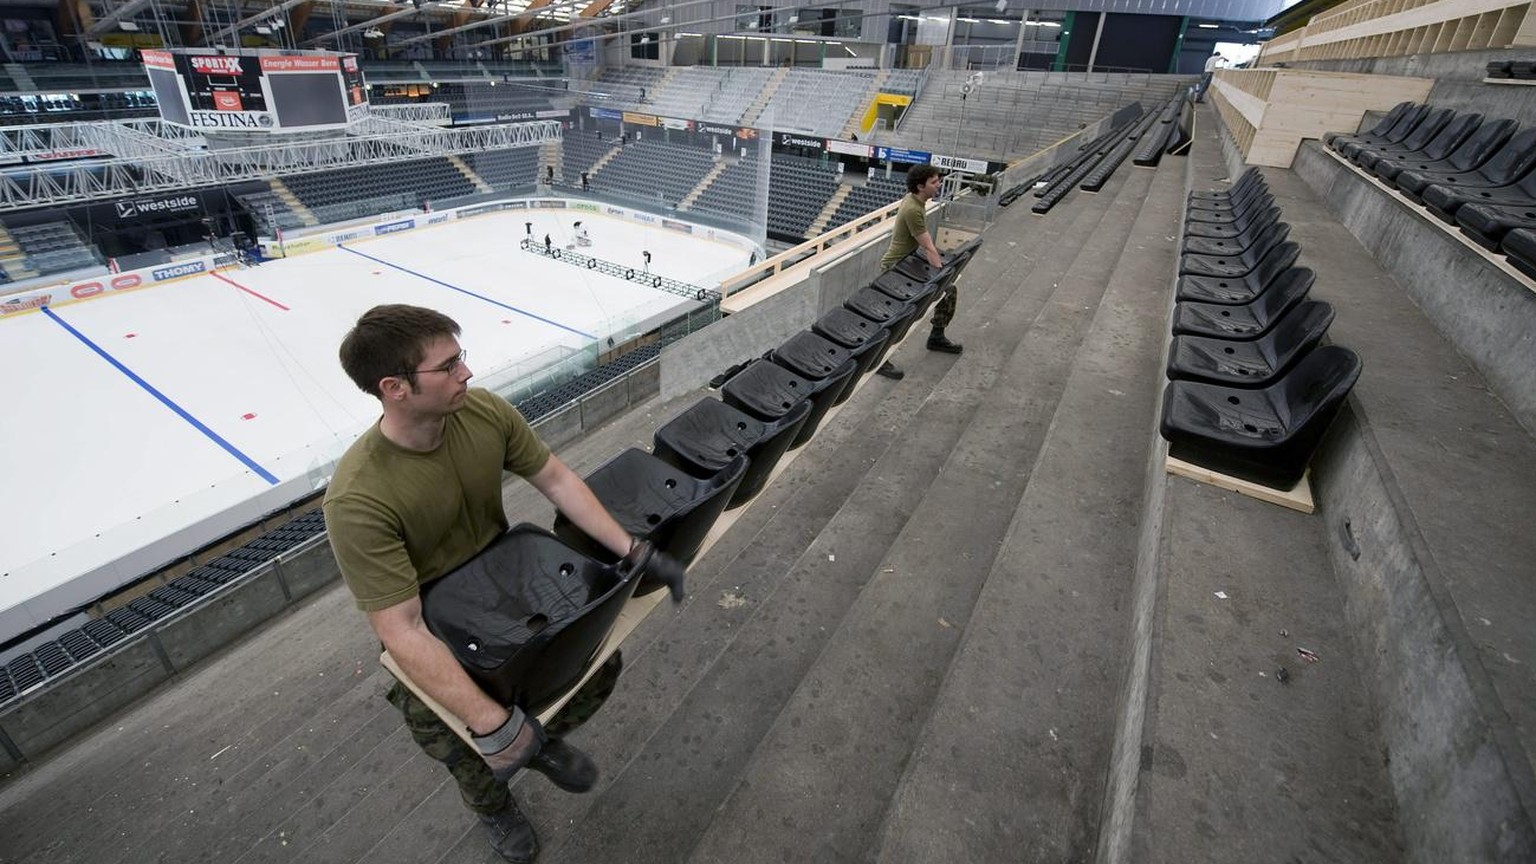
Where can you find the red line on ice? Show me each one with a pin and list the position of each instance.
(255, 294)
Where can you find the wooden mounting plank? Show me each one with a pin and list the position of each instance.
(1298, 498)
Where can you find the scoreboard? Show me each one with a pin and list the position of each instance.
(229, 90)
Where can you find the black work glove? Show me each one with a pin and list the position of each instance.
(512, 746)
(659, 566)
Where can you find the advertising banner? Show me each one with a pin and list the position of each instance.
(897, 154)
(957, 163)
(639, 119)
(849, 148)
(791, 139)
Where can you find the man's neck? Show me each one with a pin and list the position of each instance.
(422, 434)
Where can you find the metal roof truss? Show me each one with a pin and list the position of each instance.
(147, 156)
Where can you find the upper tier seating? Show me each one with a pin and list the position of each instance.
(734, 192)
(817, 102)
(1485, 182)
(798, 189)
(879, 192)
(505, 170)
(54, 247)
(653, 170)
(416, 181)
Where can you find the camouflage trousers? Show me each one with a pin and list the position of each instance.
(480, 791)
(944, 310)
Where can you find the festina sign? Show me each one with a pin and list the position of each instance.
(230, 119)
(139, 206)
(216, 65)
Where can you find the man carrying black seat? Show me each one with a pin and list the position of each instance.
(415, 497)
(910, 234)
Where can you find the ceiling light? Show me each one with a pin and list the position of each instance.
(939, 18)
(776, 39)
(127, 25)
(910, 17)
(851, 52)
(1209, 26)
(686, 35)
(969, 20)
(999, 21)
(807, 41)
(263, 29)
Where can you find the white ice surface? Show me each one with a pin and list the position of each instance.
(95, 467)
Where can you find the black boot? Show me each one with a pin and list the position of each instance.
(937, 342)
(565, 766)
(889, 370)
(510, 834)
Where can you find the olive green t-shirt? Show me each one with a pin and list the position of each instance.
(911, 222)
(399, 518)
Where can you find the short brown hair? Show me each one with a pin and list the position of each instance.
(391, 340)
(918, 176)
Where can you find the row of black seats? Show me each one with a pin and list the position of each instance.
(1470, 171)
(1250, 390)
(74, 647)
(1524, 69)
(526, 617)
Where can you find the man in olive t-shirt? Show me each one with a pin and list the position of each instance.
(418, 495)
(910, 234)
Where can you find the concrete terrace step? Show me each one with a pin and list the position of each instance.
(758, 653)
(1011, 761)
(1235, 761)
(827, 771)
(1431, 489)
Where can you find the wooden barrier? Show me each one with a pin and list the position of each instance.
(1392, 28)
(1269, 111)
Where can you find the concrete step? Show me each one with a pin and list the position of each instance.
(1428, 484)
(1011, 762)
(829, 767)
(727, 672)
(1237, 590)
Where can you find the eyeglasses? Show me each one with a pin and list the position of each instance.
(448, 368)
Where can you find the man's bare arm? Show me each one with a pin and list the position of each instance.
(930, 251)
(432, 666)
(566, 490)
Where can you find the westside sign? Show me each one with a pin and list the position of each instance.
(139, 206)
(787, 139)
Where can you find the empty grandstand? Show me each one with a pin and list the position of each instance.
(1210, 546)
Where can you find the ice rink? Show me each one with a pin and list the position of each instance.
(140, 414)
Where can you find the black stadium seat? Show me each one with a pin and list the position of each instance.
(1265, 436)
(1520, 246)
(1238, 263)
(1381, 128)
(1510, 163)
(1244, 320)
(1417, 140)
(1477, 149)
(1228, 291)
(1255, 363)
(526, 616)
(655, 501)
(707, 437)
(1346, 144)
